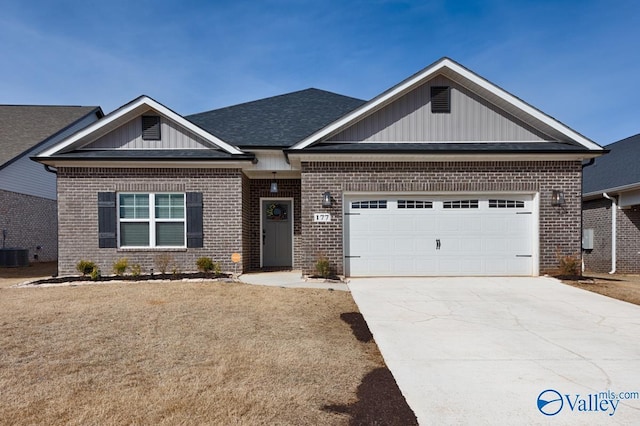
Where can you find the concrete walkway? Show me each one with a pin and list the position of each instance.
(290, 279)
(483, 350)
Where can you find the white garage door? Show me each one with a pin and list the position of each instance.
(443, 235)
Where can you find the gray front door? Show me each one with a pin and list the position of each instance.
(277, 230)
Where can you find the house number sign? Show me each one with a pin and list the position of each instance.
(322, 217)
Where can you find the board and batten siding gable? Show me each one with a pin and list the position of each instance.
(129, 136)
(409, 119)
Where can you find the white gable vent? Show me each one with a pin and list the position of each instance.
(440, 99)
(151, 127)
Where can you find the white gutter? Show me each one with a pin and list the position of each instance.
(614, 223)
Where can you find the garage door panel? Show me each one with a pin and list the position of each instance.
(497, 224)
(409, 224)
(380, 224)
(426, 245)
(479, 237)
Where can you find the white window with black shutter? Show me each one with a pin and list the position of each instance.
(150, 220)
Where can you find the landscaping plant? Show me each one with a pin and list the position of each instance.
(163, 261)
(85, 267)
(206, 264)
(570, 266)
(323, 267)
(120, 266)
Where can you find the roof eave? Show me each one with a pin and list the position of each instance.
(237, 161)
(614, 190)
(296, 156)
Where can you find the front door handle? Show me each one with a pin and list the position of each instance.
(264, 236)
(437, 244)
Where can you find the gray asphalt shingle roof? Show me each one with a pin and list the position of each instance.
(617, 168)
(276, 122)
(22, 127)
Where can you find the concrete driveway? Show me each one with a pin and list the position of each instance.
(485, 350)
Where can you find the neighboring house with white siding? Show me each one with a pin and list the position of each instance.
(442, 174)
(28, 213)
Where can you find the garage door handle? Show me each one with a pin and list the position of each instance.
(437, 244)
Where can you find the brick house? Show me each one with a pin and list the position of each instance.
(611, 209)
(442, 174)
(28, 211)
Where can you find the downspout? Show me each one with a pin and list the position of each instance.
(614, 224)
(587, 164)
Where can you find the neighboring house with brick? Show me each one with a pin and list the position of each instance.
(28, 214)
(443, 174)
(611, 209)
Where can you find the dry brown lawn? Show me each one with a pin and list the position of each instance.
(185, 353)
(618, 286)
(12, 276)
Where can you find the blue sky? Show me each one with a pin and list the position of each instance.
(577, 61)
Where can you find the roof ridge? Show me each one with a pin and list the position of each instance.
(270, 98)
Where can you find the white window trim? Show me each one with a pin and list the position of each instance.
(152, 221)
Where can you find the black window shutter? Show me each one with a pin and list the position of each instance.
(107, 223)
(195, 237)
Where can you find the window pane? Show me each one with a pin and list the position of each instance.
(127, 212)
(177, 206)
(134, 206)
(163, 212)
(170, 234)
(169, 206)
(163, 199)
(134, 234)
(142, 206)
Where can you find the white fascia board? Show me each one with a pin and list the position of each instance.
(297, 158)
(147, 164)
(128, 111)
(427, 74)
(615, 190)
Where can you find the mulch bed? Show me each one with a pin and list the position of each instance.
(145, 277)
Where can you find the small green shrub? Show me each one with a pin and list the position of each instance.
(163, 262)
(323, 267)
(95, 273)
(85, 267)
(570, 265)
(205, 264)
(120, 266)
(136, 269)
